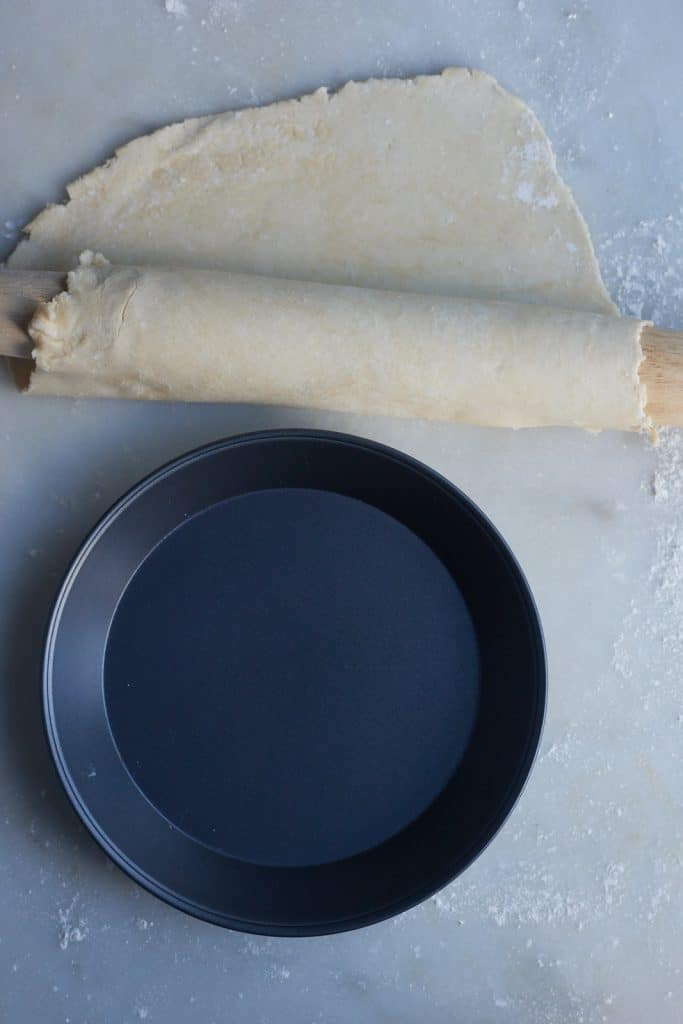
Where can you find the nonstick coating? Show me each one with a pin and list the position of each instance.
(294, 682)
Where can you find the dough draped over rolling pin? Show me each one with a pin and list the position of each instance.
(197, 335)
(443, 185)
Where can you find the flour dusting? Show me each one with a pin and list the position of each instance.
(71, 928)
(176, 7)
(225, 12)
(530, 894)
(643, 266)
(656, 624)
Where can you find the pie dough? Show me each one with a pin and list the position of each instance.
(200, 335)
(443, 185)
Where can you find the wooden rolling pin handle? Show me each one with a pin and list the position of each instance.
(20, 293)
(661, 370)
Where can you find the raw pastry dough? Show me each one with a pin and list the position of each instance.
(443, 184)
(212, 336)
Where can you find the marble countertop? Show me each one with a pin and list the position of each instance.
(573, 913)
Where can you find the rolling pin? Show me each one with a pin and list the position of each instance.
(334, 347)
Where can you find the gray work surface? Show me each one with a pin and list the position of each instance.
(573, 914)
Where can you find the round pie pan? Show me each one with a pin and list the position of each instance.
(294, 682)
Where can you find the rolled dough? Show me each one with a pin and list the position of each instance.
(198, 335)
(443, 184)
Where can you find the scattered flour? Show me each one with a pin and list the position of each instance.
(527, 160)
(655, 624)
(223, 13)
(71, 929)
(176, 7)
(667, 483)
(643, 267)
(531, 895)
(526, 194)
(278, 972)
